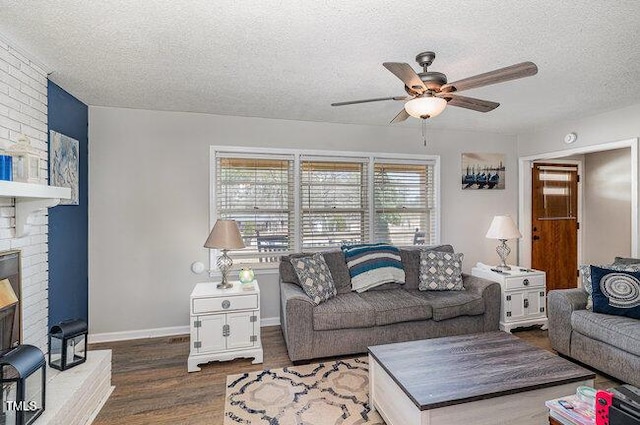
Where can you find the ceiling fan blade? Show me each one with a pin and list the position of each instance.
(402, 115)
(378, 99)
(407, 75)
(469, 102)
(513, 72)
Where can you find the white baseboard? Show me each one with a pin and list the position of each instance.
(138, 334)
(159, 332)
(270, 321)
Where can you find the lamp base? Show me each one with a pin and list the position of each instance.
(503, 252)
(224, 263)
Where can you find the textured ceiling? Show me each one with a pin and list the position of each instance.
(291, 59)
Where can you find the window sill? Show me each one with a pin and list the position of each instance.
(264, 270)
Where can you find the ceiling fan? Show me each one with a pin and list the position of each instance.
(429, 93)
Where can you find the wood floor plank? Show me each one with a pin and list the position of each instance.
(154, 387)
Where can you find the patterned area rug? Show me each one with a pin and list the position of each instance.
(332, 393)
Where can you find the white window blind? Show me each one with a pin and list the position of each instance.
(257, 193)
(288, 201)
(334, 202)
(404, 203)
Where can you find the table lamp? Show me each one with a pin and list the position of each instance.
(503, 228)
(225, 235)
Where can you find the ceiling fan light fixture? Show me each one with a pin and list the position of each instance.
(425, 107)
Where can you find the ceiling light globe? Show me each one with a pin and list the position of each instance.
(425, 107)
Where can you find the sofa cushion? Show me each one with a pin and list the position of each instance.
(372, 265)
(450, 304)
(440, 271)
(315, 278)
(411, 261)
(343, 312)
(335, 262)
(616, 292)
(626, 260)
(618, 331)
(396, 306)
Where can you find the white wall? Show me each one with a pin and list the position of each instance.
(607, 206)
(608, 127)
(149, 201)
(620, 124)
(23, 110)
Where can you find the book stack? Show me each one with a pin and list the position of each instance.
(575, 411)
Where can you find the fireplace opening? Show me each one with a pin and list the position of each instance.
(10, 308)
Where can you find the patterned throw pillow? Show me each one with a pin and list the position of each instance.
(585, 273)
(372, 265)
(315, 277)
(616, 292)
(440, 271)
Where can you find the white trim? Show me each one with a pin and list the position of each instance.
(323, 153)
(259, 269)
(269, 321)
(298, 155)
(524, 192)
(297, 205)
(436, 183)
(371, 199)
(138, 334)
(159, 332)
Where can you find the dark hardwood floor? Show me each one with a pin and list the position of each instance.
(154, 387)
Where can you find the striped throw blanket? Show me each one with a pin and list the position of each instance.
(372, 265)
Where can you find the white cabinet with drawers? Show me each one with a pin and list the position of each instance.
(523, 295)
(225, 324)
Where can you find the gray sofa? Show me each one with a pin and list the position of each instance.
(350, 322)
(608, 343)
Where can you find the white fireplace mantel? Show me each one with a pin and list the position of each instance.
(31, 198)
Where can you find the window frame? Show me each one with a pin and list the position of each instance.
(298, 156)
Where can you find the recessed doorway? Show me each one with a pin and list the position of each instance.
(601, 213)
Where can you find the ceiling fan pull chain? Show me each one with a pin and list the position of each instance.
(424, 131)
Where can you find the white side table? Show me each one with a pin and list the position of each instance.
(225, 324)
(524, 296)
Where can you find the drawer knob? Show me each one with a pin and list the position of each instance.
(525, 282)
(226, 304)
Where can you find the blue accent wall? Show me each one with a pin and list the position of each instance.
(68, 224)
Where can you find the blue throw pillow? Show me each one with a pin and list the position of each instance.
(616, 292)
(372, 265)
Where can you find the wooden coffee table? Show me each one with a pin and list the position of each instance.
(488, 378)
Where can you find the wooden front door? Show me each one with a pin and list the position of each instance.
(554, 224)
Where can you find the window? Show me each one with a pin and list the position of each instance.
(288, 201)
(404, 203)
(257, 192)
(334, 203)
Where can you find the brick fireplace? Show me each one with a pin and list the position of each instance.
(76, 396)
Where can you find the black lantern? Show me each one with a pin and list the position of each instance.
(68, 344)
(22, 376)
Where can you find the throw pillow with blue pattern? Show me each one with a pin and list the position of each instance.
(440, 271)
(585, 273)
(315, 277)
(616, 292)
(372, 265)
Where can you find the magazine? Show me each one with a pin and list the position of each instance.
(582, 413)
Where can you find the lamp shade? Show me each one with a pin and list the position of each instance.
(225, 235)
(425, 107)
(503, 227)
